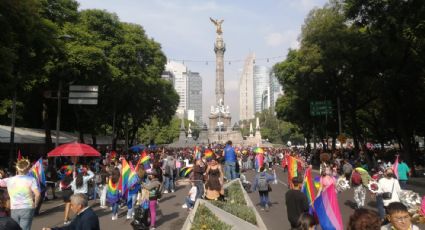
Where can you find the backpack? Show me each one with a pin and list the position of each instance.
(356, 178)
(263, 185)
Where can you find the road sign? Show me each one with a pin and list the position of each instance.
(83, 94)
(320, 108)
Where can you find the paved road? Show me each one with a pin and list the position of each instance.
(170, 214)
(276, 217)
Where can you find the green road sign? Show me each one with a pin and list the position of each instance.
(320, 108)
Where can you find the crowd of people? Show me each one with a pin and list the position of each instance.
(207, 169)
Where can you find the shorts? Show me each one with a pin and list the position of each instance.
(66, 195)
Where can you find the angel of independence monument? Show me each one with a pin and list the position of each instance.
(220, 129)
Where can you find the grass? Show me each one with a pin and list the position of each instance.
(235, 204)
(206, 220)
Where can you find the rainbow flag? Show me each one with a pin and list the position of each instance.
(395, 167)
(327, 209)
(128, 177)
(144, 160)
(37, 171)
(292, 169)
(66, 169)
(184, 172)
(317, 182)
(133, 177)
(112, 192)
(258, 150)
(308, 187)
(259, 161)
(208, 154)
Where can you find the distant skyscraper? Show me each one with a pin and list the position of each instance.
(178, 70)
(194, 95)
(246, 90)
(276, 89)
(188, 86)
(261, 88)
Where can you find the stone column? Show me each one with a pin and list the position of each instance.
(219, 49)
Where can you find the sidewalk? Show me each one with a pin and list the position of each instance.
(417, 181)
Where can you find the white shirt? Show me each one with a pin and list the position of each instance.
(192, 193)
(82, 189)
(386, 185)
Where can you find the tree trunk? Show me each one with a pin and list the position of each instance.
(46, 122)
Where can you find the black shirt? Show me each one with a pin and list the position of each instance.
(296, 204)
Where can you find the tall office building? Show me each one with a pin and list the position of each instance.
(194, 96)
(188, 86)
(179, 70)
(246, 89)
(261, 88)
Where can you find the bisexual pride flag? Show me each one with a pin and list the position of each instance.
(327, 209)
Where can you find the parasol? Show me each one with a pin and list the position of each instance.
(74, 150)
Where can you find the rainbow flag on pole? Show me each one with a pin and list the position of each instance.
(308, 187)
(37, 171)
(208, 154)
(197, 153)
(184, 172)
(327, 209)
(144, 160)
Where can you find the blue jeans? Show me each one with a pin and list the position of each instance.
(23, 217)
(403, 184)
(189, 202)
(230, 170)
(168, 183)
(115, 208)
(264, 198)
(380, 206)
(199, 188)
(130, 204)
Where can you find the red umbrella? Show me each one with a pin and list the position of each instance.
(74, 150)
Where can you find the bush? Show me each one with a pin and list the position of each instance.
(235, 195)
(206, 220)
(236, 204)
(242, 211)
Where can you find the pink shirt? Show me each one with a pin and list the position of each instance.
(326, 181)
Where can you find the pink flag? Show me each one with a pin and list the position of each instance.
(19, 155)
(395, 167)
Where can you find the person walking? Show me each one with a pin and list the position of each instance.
(389, 188)
(170, 172)
(113, 193)
(80, 182)
(215, 180)
(230, 160)
(24, 194)
(296, 203)
(359, 180)
(198, 177)
(154, 188)
(86, 218)
(65, 187)
(262, 183)
(403, 173)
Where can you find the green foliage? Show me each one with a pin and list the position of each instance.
(206, 220)
(236, 204)
(367, 54)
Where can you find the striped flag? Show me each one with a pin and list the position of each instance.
(292, 169)
(327, 209)
(37, 171)
(308, 187)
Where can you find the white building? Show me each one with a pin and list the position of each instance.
(246, 90)
(178, 70)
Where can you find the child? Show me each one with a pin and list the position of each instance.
(191, 197)
(399, 218)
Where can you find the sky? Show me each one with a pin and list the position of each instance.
(268, 28)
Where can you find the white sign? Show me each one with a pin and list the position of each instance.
(83, 94)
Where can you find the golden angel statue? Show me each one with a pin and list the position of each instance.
(217, 24)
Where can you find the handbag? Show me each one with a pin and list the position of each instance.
(388, 195)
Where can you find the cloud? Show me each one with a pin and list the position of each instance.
(287, 38)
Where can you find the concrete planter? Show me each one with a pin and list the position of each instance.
(228, 218)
